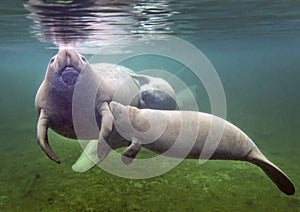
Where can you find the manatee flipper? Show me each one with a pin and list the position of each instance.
(275, 174)
(131, 152)
(103, 149)
(88, 159)
(42, 135)
(107, 121)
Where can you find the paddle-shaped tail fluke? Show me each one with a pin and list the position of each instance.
(275, 174)
(88, 159)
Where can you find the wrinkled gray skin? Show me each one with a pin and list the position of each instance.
(234, 144)
(55, 96)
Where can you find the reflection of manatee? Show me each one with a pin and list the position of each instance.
(135, 124)
(54, 100)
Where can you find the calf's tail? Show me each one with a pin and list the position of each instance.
(275, 174)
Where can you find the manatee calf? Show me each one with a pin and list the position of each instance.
(69, 73)
(157, 131)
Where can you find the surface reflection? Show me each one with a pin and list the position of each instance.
(97, 22)
(101, 22)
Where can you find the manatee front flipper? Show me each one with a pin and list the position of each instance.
(107, 121)
(276, 175)
(131, 152)
(88, 159)
(42, 135)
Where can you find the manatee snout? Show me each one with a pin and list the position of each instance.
(67, 58)
(66, 67)
(69, 75)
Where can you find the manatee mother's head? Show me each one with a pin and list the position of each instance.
(65, 68)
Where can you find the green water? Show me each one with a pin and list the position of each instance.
(261, 79)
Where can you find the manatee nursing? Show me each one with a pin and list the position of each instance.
(133, 123)
(54, 104)
(68, 72)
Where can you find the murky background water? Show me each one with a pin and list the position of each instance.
(254, 46)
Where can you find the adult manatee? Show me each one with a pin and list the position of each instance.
(155, 93)
(54, 100)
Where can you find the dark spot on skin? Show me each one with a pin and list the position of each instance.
(52, 60)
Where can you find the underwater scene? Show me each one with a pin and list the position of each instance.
(250, 47)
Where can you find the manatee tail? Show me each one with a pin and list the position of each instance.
(88, 159)
(275, 174)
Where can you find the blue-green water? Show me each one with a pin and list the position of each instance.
(254, 46)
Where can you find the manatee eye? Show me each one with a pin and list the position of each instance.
(83, 59)
(52, 60)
